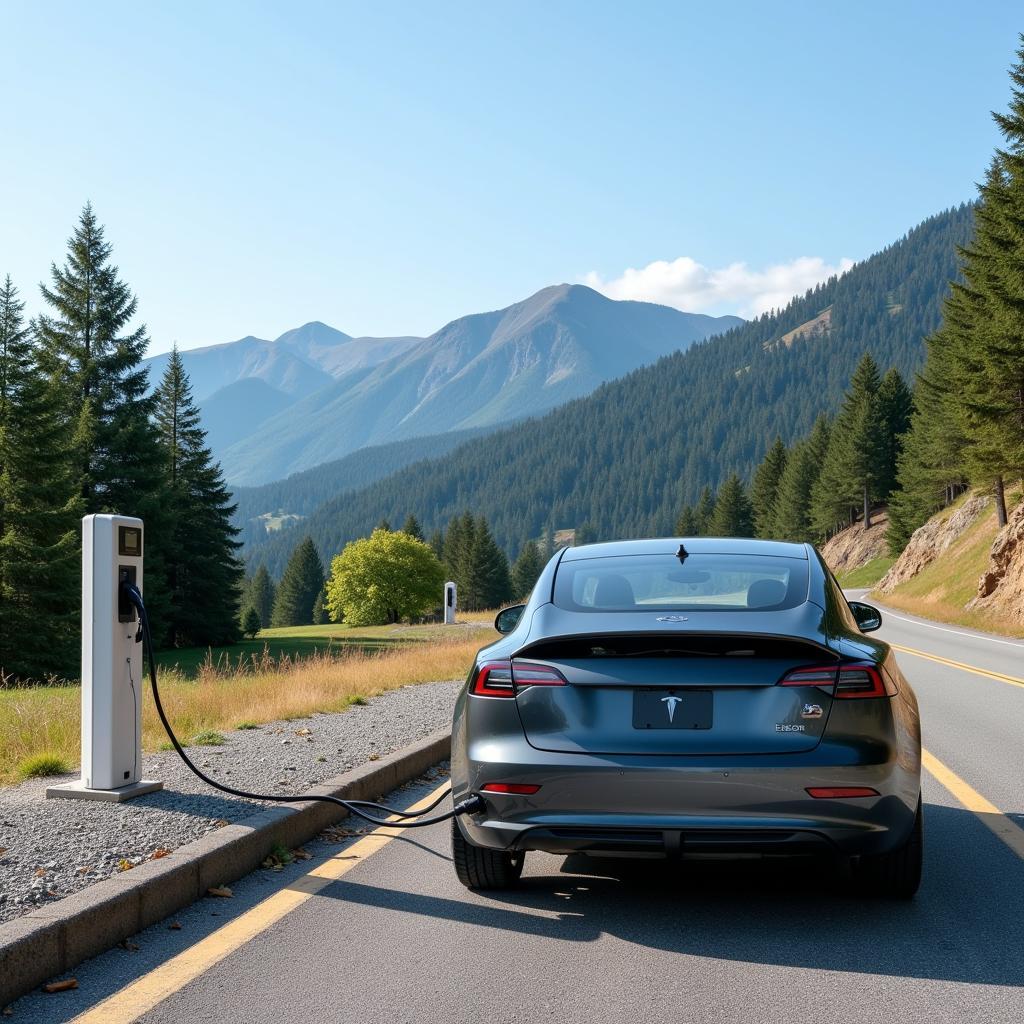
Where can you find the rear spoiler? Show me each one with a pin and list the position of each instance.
(803, 624)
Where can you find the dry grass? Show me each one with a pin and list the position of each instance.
(46, 719)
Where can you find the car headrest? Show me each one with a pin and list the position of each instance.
(613, 592)
(765, 593)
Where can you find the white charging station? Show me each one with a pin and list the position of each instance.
(112, 667)
(450, 603)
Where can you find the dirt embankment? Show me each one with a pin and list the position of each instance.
(1001, 587)
(932, 540)
(854, 547)
(961, 567)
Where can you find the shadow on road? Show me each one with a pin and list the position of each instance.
(966, 924)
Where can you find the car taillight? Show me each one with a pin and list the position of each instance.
(493, 679)
(520, 788)
(527, 674)
(845, 681)
(504, 678)
(823, 676)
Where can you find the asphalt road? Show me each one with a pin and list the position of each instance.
(383, 932)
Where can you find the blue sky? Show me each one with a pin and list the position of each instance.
(388, 167)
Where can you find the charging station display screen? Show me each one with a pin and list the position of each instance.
(129, 541)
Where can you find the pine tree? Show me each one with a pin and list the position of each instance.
(704, 512)
(320, 608)
(412, 527)
(852, 468)
(93, 359)
(734, 515)
(895, 405)
(793, 501)
(932, 468)
(39, 512)
(95, 366)
(488, 584)
(528, 567)
(303, 580)
(200, 561)
(251, 624)
(989, 361)
(547, 543)
(686, 523)
(437, 544)
(383, 525)
(261, 593)
(458, 554)
(765, 488)
(584, 534)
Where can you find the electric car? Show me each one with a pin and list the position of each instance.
(684, 698)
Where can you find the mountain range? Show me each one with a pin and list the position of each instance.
(315, 394)
(625, 458)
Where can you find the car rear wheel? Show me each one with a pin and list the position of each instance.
(480, 868)
(897, 874)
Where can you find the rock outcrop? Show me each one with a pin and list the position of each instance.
(1001, 587)
(854, 547)
(931, 540)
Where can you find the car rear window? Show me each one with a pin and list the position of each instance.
(720, 582)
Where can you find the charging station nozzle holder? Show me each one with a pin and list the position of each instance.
(112, 672)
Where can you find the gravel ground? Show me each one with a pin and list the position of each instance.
(52, 848)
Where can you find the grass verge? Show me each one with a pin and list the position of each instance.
(866, 575)
(305, 641)
(44, 720)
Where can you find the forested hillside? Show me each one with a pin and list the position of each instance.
(625, 459)
(301, 493)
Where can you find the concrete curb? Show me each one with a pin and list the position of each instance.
(54, 939)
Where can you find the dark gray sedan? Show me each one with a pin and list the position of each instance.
(681, 698)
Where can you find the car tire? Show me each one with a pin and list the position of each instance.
(895, 875)
(480, 868)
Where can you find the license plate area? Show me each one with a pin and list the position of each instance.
(672, 709)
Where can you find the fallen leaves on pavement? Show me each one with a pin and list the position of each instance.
(339, 835)
(61, 986)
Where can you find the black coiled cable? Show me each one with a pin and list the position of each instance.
(469, 806)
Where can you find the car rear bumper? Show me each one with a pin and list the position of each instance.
(673, 807)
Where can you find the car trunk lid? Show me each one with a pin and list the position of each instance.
(674, 694)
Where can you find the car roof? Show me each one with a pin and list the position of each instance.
(693, 545)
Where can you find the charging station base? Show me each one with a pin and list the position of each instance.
(79, 791)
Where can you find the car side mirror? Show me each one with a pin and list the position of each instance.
(508, 618)
(868, 617)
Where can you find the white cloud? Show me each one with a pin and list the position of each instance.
(737, 288)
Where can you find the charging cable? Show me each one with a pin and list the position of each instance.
(409, 819)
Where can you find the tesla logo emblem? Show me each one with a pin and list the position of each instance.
(670, 703)
(672, 618)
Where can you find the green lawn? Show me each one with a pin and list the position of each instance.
(867, 575)
(298, 642)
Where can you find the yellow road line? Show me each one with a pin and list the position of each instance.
(990, 815)
(1012, 680)
(142, 995)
